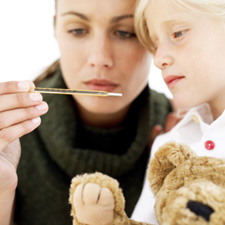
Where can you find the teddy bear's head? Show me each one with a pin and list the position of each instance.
(189, 190)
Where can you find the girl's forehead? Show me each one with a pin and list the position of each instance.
(166, 10)
(161, 6)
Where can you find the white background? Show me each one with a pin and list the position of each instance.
(27, 44)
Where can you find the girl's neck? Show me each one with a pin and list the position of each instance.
(216, 113)
(217, 109)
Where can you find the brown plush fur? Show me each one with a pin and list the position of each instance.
(177, 177)
(183, 176)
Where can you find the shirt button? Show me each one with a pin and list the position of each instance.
(209, 145)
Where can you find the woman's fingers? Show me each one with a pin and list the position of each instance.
(171, 121)
(19, 100)
(20, 110)
(156, 130)
(12, 117)
(9, 134)
(15, 94)
(15, 87)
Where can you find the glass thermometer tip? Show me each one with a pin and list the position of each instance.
(74, 92)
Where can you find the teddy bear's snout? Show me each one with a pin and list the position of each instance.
(200, 209)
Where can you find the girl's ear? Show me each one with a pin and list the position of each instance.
(166, 159)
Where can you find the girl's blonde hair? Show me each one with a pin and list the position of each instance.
(213, 8)
(141, 25)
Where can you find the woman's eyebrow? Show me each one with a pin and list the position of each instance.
(82, 16)
(113, 20)
(118, 18)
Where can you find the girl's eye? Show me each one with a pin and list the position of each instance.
(125, 34)
(78, 32)
(179, 34)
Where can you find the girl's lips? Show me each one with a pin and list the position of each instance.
(101, 85)
(171, 80)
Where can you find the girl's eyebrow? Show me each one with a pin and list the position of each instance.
(113, 20)
(175, 20)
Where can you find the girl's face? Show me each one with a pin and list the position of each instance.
(100, 51)
(190, 51)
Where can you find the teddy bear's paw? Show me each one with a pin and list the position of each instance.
(94, 205)
(174, 153)
(96, 199)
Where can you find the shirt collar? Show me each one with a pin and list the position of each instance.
(200, 114)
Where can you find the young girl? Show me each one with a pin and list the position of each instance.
(187, 39)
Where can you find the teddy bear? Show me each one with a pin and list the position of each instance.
(188, 190)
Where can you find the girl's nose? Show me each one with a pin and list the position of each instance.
(163, 57)
(101, 53)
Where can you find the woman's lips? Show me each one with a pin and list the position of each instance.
(101, 85)
(171, 80)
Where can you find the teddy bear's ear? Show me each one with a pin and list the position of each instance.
(167, 158)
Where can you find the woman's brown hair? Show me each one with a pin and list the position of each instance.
(49, 71)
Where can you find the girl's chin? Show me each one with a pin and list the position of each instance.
(180, 103)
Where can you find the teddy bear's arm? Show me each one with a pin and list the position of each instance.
(96, 199)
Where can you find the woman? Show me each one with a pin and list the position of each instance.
(99, 51)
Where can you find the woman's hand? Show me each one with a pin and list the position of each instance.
(171, 120)
(20, 113)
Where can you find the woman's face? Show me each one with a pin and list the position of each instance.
(100, 51)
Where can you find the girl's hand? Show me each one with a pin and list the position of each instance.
(20, 113)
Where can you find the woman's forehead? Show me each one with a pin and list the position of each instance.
(97, 5)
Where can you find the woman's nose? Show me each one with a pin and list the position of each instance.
(163, 56)
(101, 53)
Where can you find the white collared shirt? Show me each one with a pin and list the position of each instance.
(198, 130)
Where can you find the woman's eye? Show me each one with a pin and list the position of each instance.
(125, 34)
(78, 32)
(179, 34)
